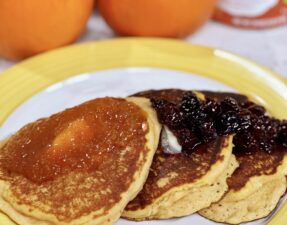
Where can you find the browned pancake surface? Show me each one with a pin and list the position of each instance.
(78, 161)
(178, 169)
(172, 95)
(255, 164)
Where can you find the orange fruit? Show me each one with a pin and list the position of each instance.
(163, 18)
(28, 27)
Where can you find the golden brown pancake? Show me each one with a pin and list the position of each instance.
(255, 164)
(251, 199)
(81, 166)
(255, 187)
(180, 184)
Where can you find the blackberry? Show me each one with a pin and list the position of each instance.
(194, 118)
(168, 113)
(206, 131)
(228, 122)
(245, 120)
(189, 103)
(211, 107)
(229, 104)
(199, 116)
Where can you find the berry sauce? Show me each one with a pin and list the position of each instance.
(196, 121)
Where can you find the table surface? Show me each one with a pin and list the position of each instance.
(267, 47)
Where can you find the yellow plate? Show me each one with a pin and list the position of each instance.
(31, 76)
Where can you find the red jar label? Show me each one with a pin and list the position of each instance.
(256, 14)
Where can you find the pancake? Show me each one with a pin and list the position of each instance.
(255, 187)
(254, 200)
(180, 184)
(81, 166)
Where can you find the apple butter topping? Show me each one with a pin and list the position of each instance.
(80, 138)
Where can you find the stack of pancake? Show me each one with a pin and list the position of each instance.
(179, 184)
(255, 187)
(250, 188)
(105, 158)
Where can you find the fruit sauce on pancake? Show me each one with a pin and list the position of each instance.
(90, 151)
(260, 141)
(172, 170)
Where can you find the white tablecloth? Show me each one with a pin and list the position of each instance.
(267, 47)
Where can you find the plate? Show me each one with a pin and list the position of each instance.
(66, 77)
